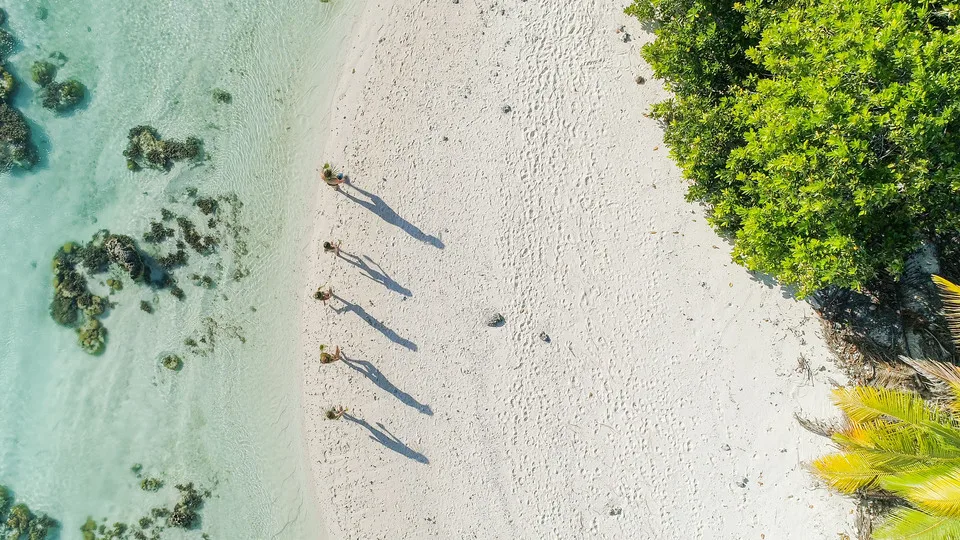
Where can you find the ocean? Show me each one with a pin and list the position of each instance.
(73, 425)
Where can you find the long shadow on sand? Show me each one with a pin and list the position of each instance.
(387, 439)
(378, 275)
(371, 372)
(376, 205)
(377, 325)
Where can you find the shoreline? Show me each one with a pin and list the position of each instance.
(663, 400)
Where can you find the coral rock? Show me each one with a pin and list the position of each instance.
(16, 148)
(146, 148)
(7, 84)
(123, 251)
(63, 96)
(43, 72)
(92, 336)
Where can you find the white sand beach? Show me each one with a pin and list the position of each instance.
(501, 161)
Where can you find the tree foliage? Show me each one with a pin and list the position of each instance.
(824, 135)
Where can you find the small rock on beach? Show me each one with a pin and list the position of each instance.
(494, 319)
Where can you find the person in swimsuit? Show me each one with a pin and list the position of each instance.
(332, 247)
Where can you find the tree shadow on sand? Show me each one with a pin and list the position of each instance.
(377, 325)
(378, 275)
(377, 377)
(387, 439)
(377, 205)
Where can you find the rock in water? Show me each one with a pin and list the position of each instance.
(7, 84)
(62, 97)
(91, 336)
(172, 362)
(123, 251)
(16, 148)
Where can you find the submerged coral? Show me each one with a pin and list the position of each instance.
(93, 256)
(158, 233)
(203, 245)
(177, 292)
(185, 513)
(7, 84)
(222, 96)
(173, 260)
(5, 497)
(179, 151)
(43, 72)
(207, 205)
(19, 519)
(16, 147)
(89, 529)
(74, 305)
(172, 362)
(151, 484)
(145, 148)
(7, 43)
(63, 96)
(91, 304)
(202, 281)
(63, 310)
(68, 287)
(92, 336)
(22, 521)
(56, 96)
(123, 251)
(41, 526)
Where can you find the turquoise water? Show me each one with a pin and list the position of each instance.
(71, 425)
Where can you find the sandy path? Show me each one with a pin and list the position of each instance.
(670, 374)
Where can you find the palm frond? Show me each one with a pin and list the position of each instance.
(935, 490)
(866, 404)
(911, 524)
(824, 428)
(848, 472)
(897, 439)
(944, 377)
(950, 295)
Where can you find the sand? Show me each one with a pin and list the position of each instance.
(642, 385)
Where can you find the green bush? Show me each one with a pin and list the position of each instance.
(824, 136)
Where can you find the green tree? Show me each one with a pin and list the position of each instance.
(823, 135)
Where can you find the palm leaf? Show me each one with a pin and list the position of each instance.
(848, 472)
(945, 377)
(866, 404)
(897, 439)
(950, 295)
(935, 489)
(910, 524)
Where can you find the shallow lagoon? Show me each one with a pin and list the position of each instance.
(72, 425)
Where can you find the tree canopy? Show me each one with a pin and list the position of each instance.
(823, 135)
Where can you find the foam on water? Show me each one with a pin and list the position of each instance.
(71, 425)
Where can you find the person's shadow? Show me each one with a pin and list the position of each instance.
(380, 208)
(379, 326)
(387, 439)
(371, 372)
(379, 275)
